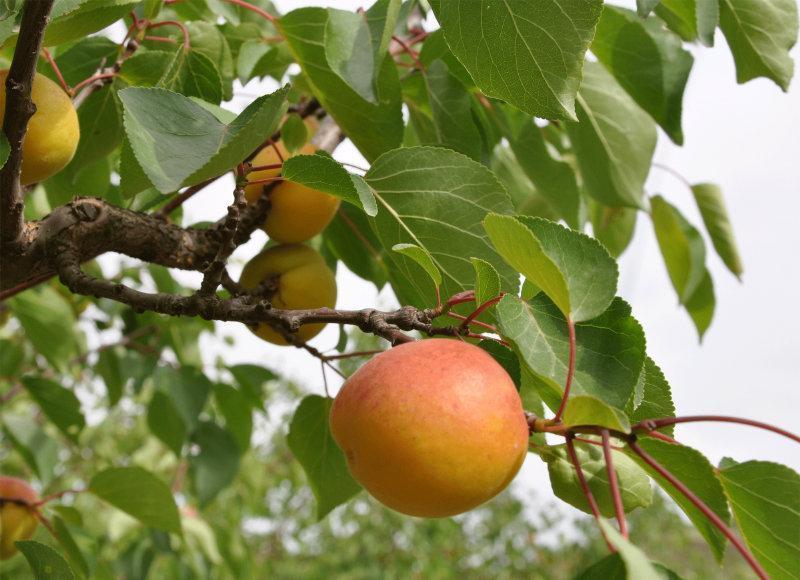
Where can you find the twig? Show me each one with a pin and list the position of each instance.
(587, 492)
(488, 327)
(92, 79)
(570, 369)
(18, 111)
(54, 496)
(354, 354)
(252, 8)
(56, 70)
(652, 424)
(213, 273)
(181, 25)
(701, 505)
(480, 309)
(613, 484)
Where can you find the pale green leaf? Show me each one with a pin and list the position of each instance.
(487, 280)
(613, 226)
(140, 494)
(60, 405)
(64, 537)
(637, 564)
(348, 49)
(587, 410)
(77, 19)
(700, 305)
(381, 19)
(718, 225)
(528, 53)
(614, 140)
(324, 464)
(421, 257)
(294, 133)
(237, 412)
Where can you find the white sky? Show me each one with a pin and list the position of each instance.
(743, 137)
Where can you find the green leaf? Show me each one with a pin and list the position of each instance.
(423, 258)
(554, 179)
(633, 482)
(451, 108)
(140, 494)
(294, 133)
(35, 446)
(216, 464)
(60, 405)
(645, 7)
(653, 397)
(350, 239)
(49, 323)
(348, 48)
(45, 562)
(11, 357)
(436, 199)
(79, 18)
(64, 537)
(81, 60)
(207, 39)
(701, 303)
(487, 280)
(614, 140)
(696, 472)
(609, 356)
(146, 68)
(373, 128)
(193, 74)
(636, 563)
(324, 464)
(100, 118)
(323, 173)
(166, 423)
(526, 198)
(187, 387)
(681, 246)
(381, 19)
(527, 53)
(573, 269)
(765, 498)
(586, 410)
(613, 227)
(108, 367)
(760, 34)
(252, 381)
(257, 59)
(237, 412)
(718, 225)
(177, 142)
(648, 61)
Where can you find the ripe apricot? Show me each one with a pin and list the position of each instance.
(297, 213)
(17, 519)
(53, 131)
(431, 428)
(303, 281)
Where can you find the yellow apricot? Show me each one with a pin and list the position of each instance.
(297, 213)
(303, 281)
(53, 131)
(17, 519)
(431, 428)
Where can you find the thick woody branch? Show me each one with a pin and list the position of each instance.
(18, 111)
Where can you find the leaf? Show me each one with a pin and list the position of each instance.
(11, 357)
(451, 108)
(78, 19)
(100, 119)
(45, 562)
(528, 53)
(718, 225)
(145, 69)
(681, 246)
(765, 498)
(193, 74)
(648, 61)
(49, 323)
(216, 464)
(526, 198)
(64, 537)
(294, 133)
(609, 356)
(323, 173)
(60, 405)
(108, 367)
(701, 303)
(252, 380)
(177, 142)
(634, 483)
(573, 269)
(381, 19)
(373, 128)
(645, 7)
(140, 494)
(554, 179)
(348, 49)
(166, 423)
(636, 563)
(614, 140)
(35, 446)
(237, 412)
(436, 199)
(487, 280)
(423, 258)
(187, 387)
(613, 227)
(697, 474)
(350, 239)
(312, 444)
(652, 398)
(586, 410)
(760, 34)
(82, 59)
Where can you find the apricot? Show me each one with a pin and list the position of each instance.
(53, 131)
(431, 428)
(17, 519)
(303, 281)
(297, 213)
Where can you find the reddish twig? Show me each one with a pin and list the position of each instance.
(47, 499)
(480, 309)
(667, 438)
(91, 79)
(265, 180)
(573, 457)
(353, 354)
(652, 424)
(161, 39)
(263, 167)
(410, 52)
(570, 369)
(461, 298)
(613, 484)
(256, 9)
(186, 44)
(54, 66)
(701, 505)
(484, 325)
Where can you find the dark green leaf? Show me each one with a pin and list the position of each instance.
(60, 405)
(451, 107)
(187, 387)
(237, 412)
(252, 381)
(140, 494)
(323, 173)
(79, 18)
(72, 550)
(718, 225)
(145, 68)
(5, 149)
(45, 562)
(108, 367)
(294, 133)
(166, 423)
(216, 464)
(350, 239)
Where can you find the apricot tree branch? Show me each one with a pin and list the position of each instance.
(19, 109)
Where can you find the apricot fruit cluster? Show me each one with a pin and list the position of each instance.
(53, 131)
(17, 514)
(431, 428)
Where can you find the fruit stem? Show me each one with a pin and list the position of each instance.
(701, 505)
(573, 457)
(56, 70)
(570, 369)
(613, 483)
(652, 424)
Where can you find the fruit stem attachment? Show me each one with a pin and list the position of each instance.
(701, 505)
(649, 425)
(613, 483)
(573, 457)
(570, 369)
